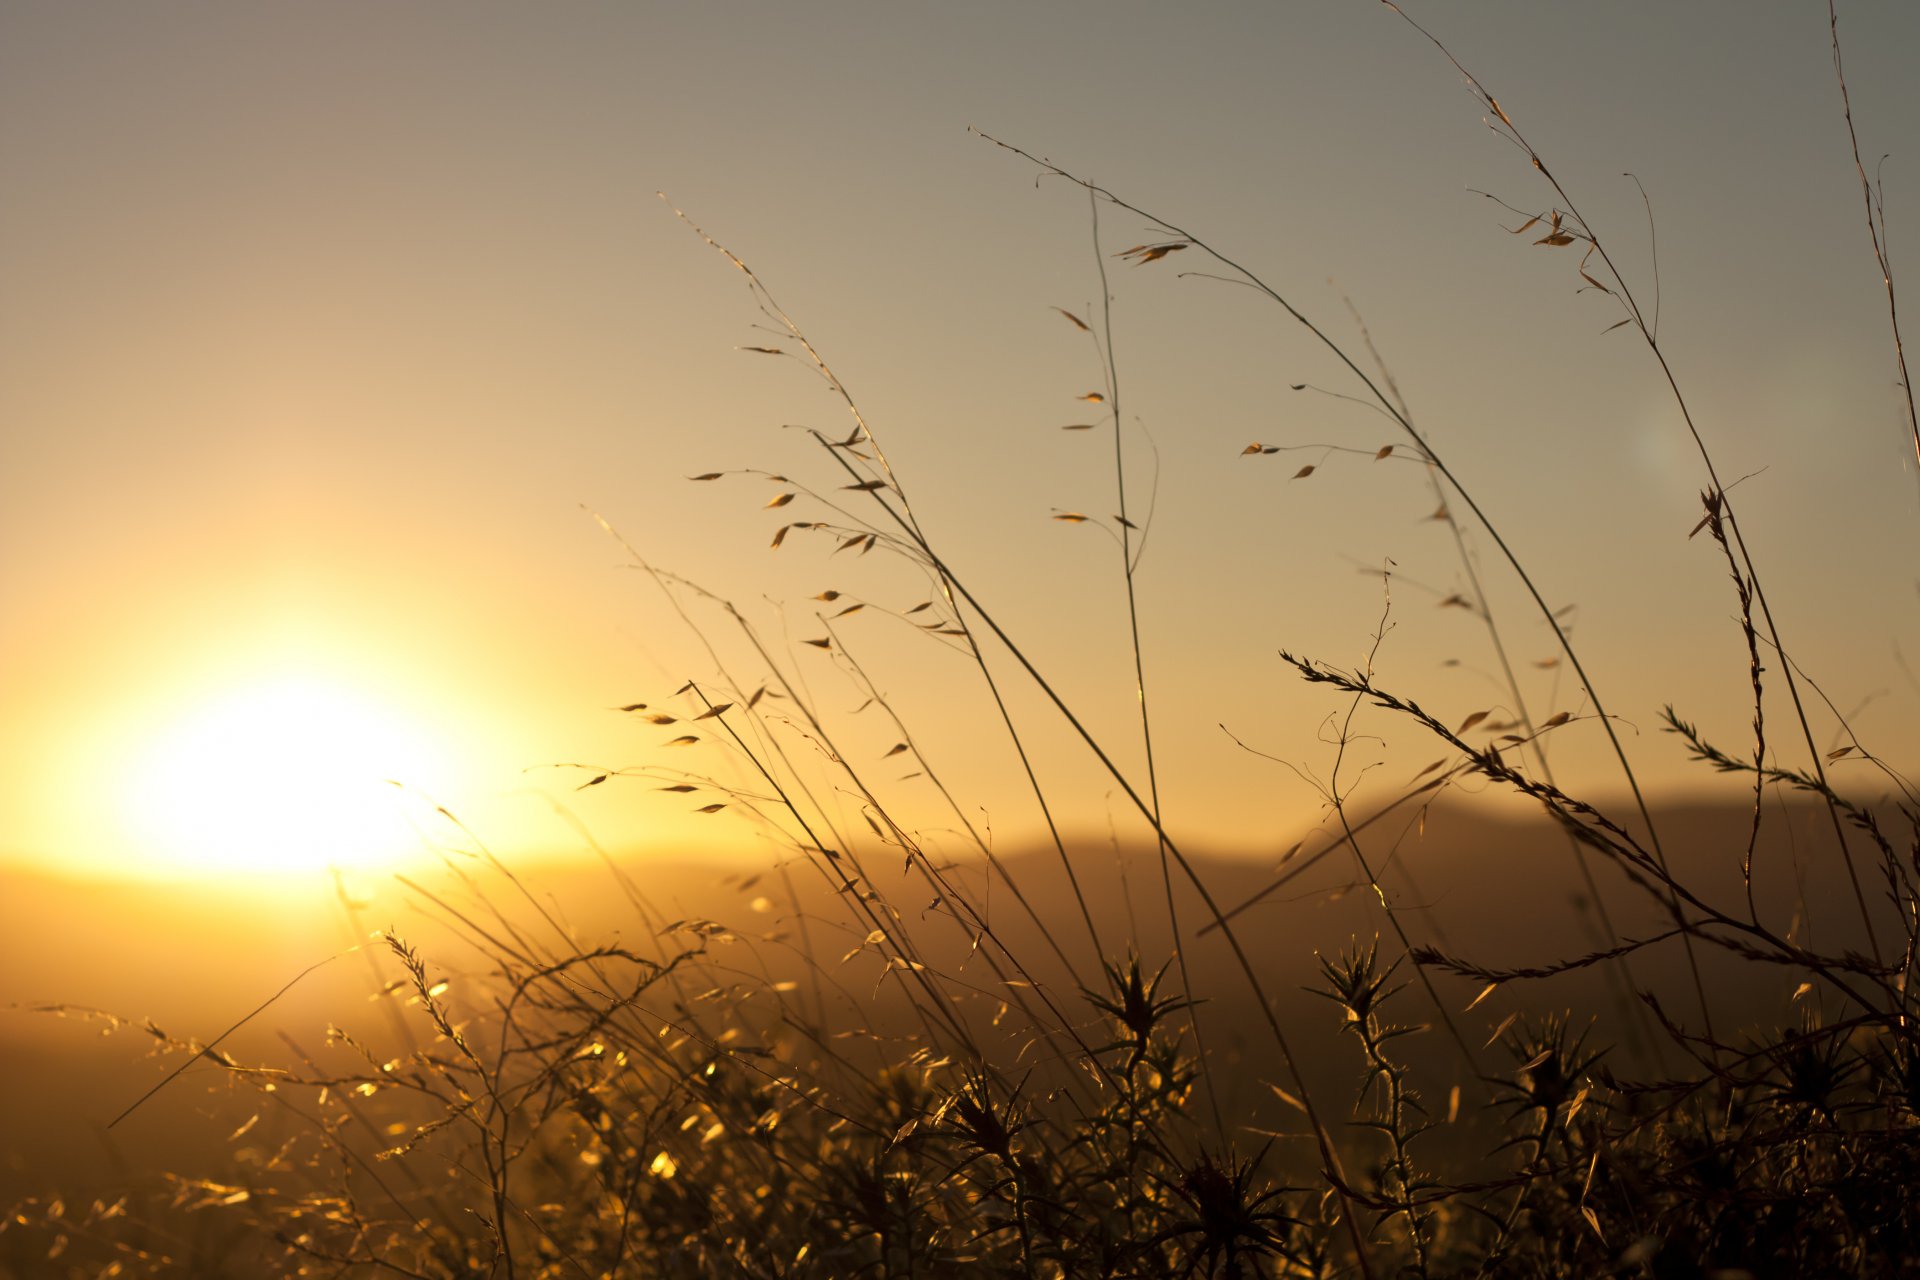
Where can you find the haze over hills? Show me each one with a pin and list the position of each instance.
(1498, 890)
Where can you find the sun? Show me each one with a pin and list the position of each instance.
(285, 774)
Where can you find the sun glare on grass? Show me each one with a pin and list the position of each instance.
(284, 775)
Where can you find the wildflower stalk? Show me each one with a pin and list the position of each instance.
(1358, 984)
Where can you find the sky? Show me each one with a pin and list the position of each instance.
(328, 329)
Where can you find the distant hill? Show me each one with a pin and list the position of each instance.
(1500, 890)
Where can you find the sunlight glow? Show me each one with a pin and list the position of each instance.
(288, 774)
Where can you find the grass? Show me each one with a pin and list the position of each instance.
(918, 1081)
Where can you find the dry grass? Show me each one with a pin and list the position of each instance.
(905, 1084)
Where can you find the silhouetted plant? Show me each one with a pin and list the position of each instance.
(673, 1108)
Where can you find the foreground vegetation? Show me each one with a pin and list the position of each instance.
(972, 1104)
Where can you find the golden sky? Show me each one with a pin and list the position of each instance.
(324, 326)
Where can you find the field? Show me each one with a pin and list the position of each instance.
(1487, 1003)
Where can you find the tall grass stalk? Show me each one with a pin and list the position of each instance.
(911, 1085)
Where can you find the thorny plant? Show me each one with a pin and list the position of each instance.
(717, 1103)
(1387, 1102)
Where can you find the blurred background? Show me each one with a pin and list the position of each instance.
(329, 329)
(323, 326)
